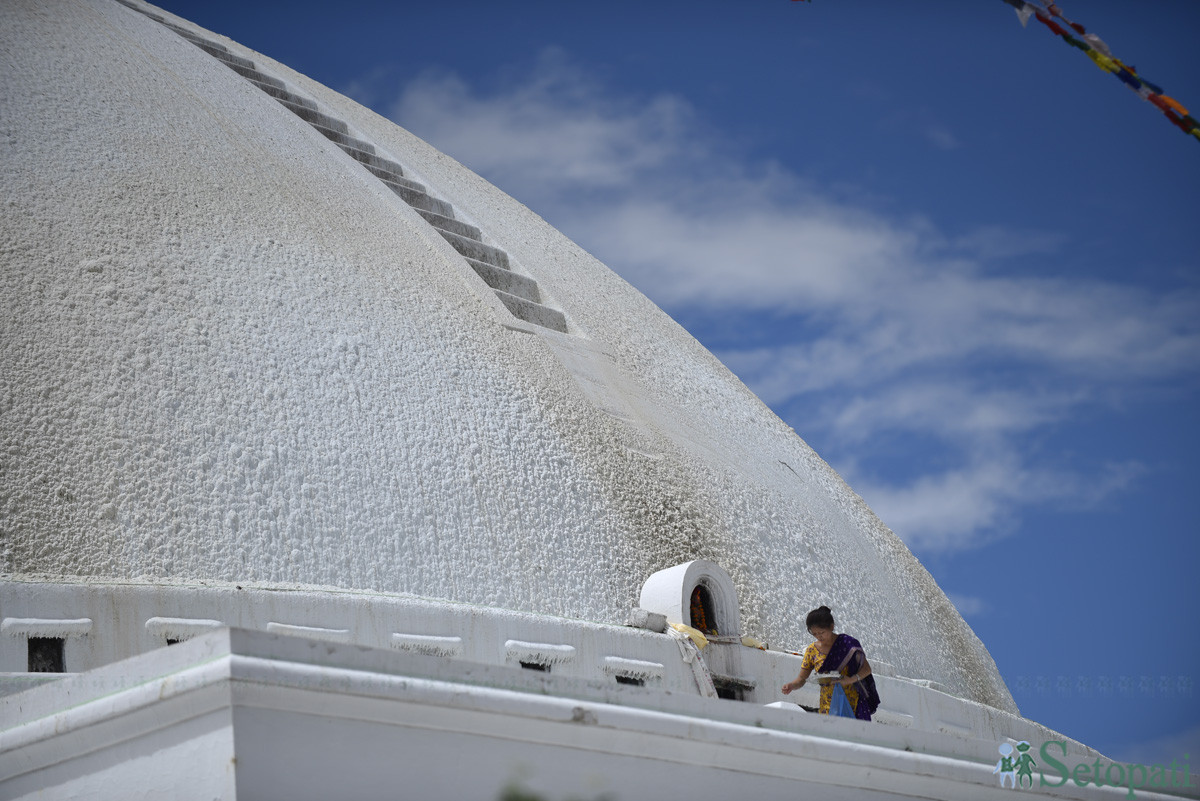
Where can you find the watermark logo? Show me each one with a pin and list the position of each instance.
(1016, 767)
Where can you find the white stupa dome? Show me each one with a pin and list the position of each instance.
(237, 350)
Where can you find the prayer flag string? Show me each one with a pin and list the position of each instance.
(1094, 47)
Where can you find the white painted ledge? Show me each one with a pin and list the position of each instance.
(46, 627)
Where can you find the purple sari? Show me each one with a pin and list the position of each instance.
(846, 657)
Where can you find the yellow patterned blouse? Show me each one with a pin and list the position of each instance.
(813, 659)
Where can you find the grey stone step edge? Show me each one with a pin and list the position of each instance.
(387, 176)
(141, 10)
(254, 76)
(474, 249)
(450, 224)
(534, 313)
(507, 281)
(372, 160)
(221, 54)
(420, 200)
(321, 120)
(350, 144)
(284, 96)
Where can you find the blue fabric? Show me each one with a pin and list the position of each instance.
(840, 705)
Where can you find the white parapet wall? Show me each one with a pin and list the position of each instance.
(241, 714)
(127, 619)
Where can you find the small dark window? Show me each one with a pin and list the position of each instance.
(728, 693)
(172, 641)
(702, 610)
(536, 666)
(732, 689)
(636, 682)
(46, 655)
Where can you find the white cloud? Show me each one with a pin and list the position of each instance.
(905, 329)
(959, 410)
(967, 505)
(552, 132)
(948, 511)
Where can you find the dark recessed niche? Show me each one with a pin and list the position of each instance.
(733, 689)
(536, 666)
(701, 610)
(631, 680)
(46, 655)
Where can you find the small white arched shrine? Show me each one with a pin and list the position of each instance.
(700, 586)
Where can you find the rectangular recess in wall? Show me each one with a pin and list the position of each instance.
(734, 688)
(46, 655)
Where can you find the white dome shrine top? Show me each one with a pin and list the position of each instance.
(234, 352)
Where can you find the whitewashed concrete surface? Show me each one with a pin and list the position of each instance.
(238, 714)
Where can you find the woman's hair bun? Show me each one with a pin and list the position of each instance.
(822, 616)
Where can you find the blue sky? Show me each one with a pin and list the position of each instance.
(960, 260)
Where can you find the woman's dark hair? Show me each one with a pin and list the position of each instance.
(821, 617)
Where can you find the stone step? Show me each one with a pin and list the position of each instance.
(372, 160)
(450, 224)
(319, 120)
(396, 178)
(534, 313)
(344, 142)
(188, 34)
(420, 200)
(256, 76)
(473, 249)
(221, 54)
(507, 281)
(141, 10)
(285, 97)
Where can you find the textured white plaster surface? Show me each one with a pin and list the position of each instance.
(228, 353)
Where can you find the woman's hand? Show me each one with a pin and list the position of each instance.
(792, 685)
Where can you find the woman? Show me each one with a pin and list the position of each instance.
(843, 654)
